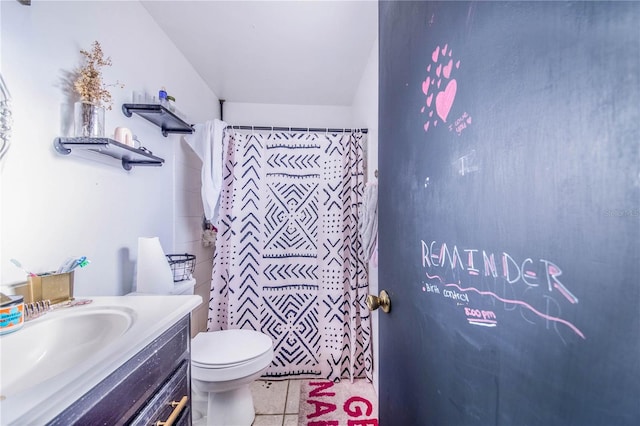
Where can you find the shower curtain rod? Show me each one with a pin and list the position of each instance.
(298, 129)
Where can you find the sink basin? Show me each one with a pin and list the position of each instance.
(56, 359)
(58, 341)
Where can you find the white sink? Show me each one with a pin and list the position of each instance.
(56, 359)
(50, 345)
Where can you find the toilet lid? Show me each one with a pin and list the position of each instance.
(228, 347)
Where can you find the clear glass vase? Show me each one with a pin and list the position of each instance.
(88, 120)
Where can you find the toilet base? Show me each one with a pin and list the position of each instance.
(231, 408)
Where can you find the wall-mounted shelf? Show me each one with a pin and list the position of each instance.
(160, 116)
(128, 155)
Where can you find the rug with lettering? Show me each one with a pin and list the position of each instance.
(325, 403)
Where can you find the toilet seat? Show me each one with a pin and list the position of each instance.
(227, 348)
(223, 365)
(228, 355)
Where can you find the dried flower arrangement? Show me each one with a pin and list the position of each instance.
(89, 84)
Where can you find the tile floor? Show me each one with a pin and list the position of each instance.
(276, 402)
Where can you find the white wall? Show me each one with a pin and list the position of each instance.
(52, 207)
(321, 116)
(365, 114)
(57, 206)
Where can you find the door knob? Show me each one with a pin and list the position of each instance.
(382, 301)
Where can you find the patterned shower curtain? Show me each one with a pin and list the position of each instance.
(289, 261)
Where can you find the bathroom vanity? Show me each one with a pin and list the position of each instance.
(122, 360)
(142, 390)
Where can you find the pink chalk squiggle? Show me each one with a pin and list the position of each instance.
(519, 302)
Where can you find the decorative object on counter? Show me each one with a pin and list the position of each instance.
(57, 288)
(34, 310)
(88, 119)
(169, 102)
(182, 266)
(138, 97)
(19, 266)
(138, 145)
(72, 263)
(123, 135)
(153, 273)
(93, 92)
(54, 287)
(171, 106)
(5, 118)
(162, 95)
(209, 237)
(209, 233)
(11, 313)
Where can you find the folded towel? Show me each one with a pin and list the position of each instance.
(206, 142)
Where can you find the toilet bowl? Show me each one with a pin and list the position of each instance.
(223, 365)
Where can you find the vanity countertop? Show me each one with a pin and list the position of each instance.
(149, 316)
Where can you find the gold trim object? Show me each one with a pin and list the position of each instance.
(383, 301)
(177, 408)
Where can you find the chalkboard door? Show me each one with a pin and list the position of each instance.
(509, 210)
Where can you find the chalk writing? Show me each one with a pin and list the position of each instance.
(450, 294)
(431, 288)
(467, 163)
(461, 123)
(481, 317)
(530, 286)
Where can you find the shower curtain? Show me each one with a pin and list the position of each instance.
(289, 260)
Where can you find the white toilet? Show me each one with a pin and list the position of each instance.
(223, 365)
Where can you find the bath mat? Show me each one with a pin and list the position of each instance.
(325, 403)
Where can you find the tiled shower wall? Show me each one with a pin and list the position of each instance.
(188, 227)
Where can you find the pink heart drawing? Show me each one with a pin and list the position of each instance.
(429, 68)
(438, 70)
(439, 81)
(426, 126)
(429, 99)
(444, 100)
(435, 53)
(444, 49)
(425, 86)
(457, 64)
(446, 71)
(435, 123)
(422, 110)
(431, 113)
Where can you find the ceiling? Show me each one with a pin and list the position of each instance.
(306, 52)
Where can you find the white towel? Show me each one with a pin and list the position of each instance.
(206, 142)
(368, 226)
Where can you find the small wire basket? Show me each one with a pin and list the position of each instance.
(182, 266)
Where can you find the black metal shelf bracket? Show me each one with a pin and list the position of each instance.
(128, 155)
(160, 116)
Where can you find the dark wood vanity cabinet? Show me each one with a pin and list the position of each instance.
(148, 388)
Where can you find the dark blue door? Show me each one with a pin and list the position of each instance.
(509, 140)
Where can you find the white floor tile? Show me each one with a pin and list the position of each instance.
(290, 420)
(293, 397)
(268, 420)
(269, 397)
